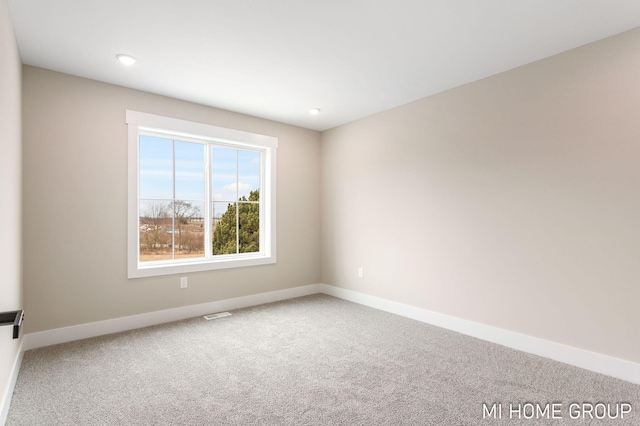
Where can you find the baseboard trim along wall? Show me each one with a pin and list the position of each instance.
(99, 328)
(599, 363)
(5, 399)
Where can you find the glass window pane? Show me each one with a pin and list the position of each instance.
(188, 231)
(224, 228)
(189, 171)
(154, 226)
(156, 167)
(224, 173)
(248, 173)
(249, 227)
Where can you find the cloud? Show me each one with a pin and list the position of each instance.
(242, 187)
(150, 173)
(168, 174)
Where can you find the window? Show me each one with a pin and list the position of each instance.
(200, 197)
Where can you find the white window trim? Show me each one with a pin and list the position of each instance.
(142, 121)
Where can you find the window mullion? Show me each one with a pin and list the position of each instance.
(237, 204)
(208, 201)
(262, 201)
(173, 216)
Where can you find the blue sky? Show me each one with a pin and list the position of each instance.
(233, 170)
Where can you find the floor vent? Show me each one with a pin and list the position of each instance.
(216, 316)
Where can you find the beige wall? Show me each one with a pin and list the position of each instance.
(513, 201)
(75, 205)
(10, 172)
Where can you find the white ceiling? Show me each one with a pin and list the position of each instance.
(276, 59)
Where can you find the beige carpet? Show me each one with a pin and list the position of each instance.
(315, 360)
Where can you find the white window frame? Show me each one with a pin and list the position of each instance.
(143, 122)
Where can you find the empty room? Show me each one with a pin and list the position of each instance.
(320, 213)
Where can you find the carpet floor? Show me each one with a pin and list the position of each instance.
(314, 360)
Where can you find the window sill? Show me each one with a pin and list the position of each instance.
(154, 269)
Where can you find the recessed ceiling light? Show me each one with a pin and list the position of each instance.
(314, 111)
(126, 59)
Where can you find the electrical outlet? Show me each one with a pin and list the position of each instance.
(360, 273)
(184, 282)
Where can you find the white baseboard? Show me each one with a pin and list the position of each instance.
(5, 400)
(599, 363)
(99, 328)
